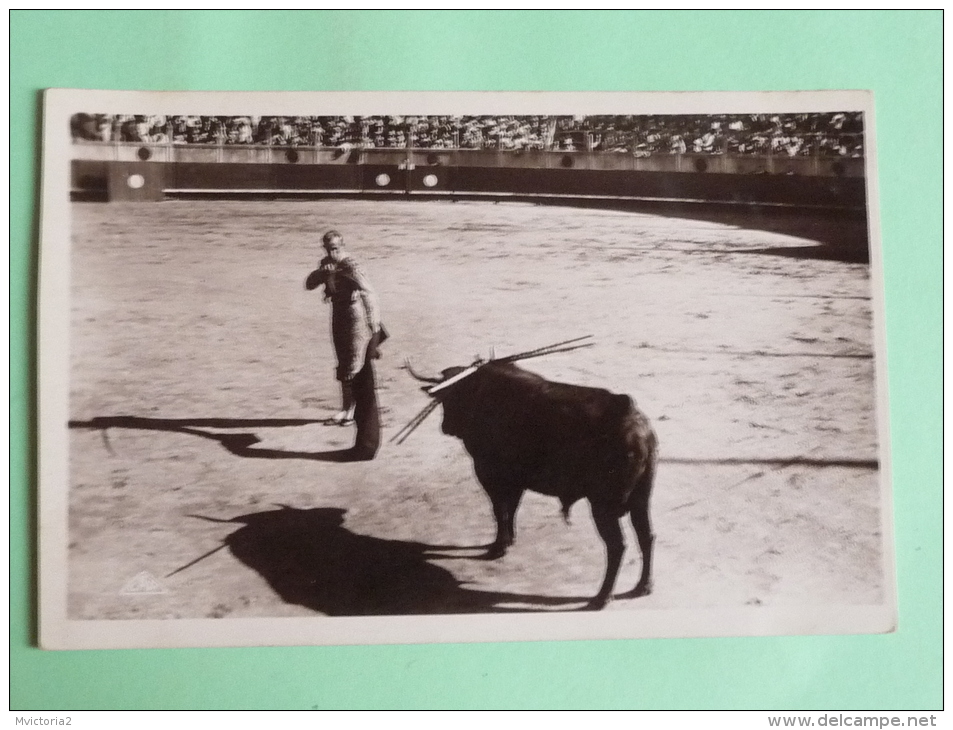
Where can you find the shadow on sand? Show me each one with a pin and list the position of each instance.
(310, 559)
(829, 235)
(239, 444)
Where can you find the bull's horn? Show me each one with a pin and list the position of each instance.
(422, 378)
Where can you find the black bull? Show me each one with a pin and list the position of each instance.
(567, 441)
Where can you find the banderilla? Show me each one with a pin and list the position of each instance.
(198, 559)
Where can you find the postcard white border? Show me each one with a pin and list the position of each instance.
(59, 632)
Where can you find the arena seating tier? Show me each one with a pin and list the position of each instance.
(837, 134)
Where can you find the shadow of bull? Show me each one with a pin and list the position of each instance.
(310, 559)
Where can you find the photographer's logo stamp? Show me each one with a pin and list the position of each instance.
(142, 584)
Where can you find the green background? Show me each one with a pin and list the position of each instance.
(897, 54)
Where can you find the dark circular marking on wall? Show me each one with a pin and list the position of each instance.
(838, 168)
(291, 155)
(567, 161)
(701, 164)
(433, 159)
(144, 153)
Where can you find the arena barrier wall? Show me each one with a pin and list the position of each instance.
(141, 173)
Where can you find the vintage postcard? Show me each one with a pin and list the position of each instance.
(336, 368)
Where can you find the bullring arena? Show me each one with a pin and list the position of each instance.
(202, 381)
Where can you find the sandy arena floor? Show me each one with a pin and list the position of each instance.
(208, 370)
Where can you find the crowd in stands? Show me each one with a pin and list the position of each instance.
(838, 134)
(828, 134)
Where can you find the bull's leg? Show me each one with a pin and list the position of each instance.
(607, 523)
(643, 531)
(504, 510)
(639, 514)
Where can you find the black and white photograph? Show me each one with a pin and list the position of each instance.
(349, 368)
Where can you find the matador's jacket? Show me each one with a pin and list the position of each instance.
(354, 311)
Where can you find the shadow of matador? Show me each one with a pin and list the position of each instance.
(239, 444)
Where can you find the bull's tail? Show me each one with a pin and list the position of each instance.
(565, 511)
(109, 448)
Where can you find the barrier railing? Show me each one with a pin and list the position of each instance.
(688, 162)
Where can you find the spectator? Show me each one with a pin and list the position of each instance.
(824, 134)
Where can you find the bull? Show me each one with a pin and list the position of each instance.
(566, 441)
